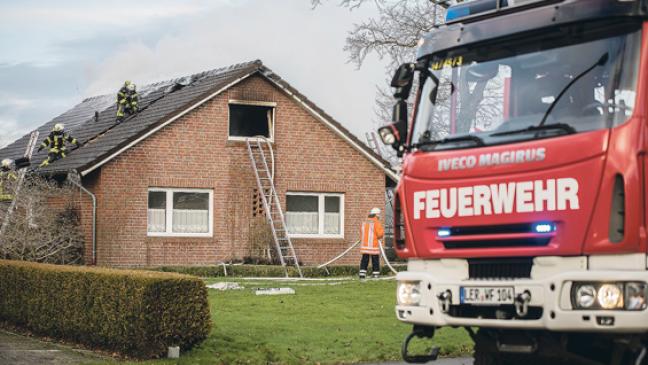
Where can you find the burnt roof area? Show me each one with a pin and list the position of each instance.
(93, 121)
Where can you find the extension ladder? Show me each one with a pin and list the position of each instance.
(272, 206)
(33, 140)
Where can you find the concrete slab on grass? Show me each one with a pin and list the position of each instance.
(21, 350)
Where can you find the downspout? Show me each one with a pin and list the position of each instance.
(94, 216)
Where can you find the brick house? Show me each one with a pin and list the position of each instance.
(174, 184)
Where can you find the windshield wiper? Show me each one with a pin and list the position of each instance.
(535, 128)
(600, 62)
(467, 138)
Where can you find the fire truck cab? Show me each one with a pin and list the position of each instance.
(521, 206)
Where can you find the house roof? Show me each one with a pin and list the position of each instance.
(92, 121)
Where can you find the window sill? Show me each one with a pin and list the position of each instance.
(252, 139)
(316, 236)
(180, 235)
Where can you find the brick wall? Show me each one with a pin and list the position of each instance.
(194, 152)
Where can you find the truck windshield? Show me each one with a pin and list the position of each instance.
(501, 93)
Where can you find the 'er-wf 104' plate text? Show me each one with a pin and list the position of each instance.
(487, 295)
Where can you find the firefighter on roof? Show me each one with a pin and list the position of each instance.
(127, 99)
(372, 232)
(56, 144)
(7, 176)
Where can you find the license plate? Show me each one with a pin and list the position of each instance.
(486, 295)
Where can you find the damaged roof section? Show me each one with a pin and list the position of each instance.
(92, 121)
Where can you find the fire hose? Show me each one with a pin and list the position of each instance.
(382, 252)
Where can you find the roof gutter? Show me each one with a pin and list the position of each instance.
(94, 216)
(154, 130)
(337, 131)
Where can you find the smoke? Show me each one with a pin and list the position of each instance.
(302, 45)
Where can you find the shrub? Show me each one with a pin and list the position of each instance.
(136, 313)
(269, 270)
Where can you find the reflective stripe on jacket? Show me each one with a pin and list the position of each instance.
(371, 232)
(55, 141)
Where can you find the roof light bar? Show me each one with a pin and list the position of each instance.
(471, 8)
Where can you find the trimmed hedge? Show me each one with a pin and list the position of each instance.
(268, 270)
(135, 313)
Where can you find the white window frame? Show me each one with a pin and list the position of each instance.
(320, 206)
(270, 104)
(169, 212)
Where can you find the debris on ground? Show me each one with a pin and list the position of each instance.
(225, 286)
(275, 291)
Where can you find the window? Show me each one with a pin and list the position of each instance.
(180, 212)
(315, 215)
(251, 119)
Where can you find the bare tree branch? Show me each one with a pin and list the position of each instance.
(44, 227)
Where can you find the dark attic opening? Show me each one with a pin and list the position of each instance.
(250, 120)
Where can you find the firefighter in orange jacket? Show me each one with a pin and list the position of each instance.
(372, 232)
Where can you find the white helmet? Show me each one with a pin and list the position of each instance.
(374, 211)
(6, 163)
(130, 87)
(58, 127)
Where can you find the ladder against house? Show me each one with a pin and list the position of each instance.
(29, 151)
(272, 205)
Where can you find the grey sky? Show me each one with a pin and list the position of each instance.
(54, 54)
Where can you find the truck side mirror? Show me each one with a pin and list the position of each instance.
(403, 80)
(395, 134)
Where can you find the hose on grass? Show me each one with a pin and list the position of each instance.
(339, 256)
(382, 252)
(384, 256)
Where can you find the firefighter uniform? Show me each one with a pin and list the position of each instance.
(55, 143)
(127, 99)
(7, 177)
(372, 231)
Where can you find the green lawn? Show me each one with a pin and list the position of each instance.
(327, 323)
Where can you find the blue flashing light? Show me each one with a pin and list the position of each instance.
(456, 12)
(474, 7)
(544, 227)
(443, 232)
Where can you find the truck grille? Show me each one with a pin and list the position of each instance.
(495, 229)
(512, 242)
(506, 235)
(500, 268)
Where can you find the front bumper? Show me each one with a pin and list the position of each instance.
(549, 286)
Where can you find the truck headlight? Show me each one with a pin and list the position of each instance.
(610, 296)
(586, 296)
(408, 292)
(616, 295)
(635, 296)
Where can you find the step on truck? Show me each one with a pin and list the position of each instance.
(521, 206)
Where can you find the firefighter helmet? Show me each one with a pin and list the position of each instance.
(58, 127)
(374, 211)
(130, 86)
(6, 163)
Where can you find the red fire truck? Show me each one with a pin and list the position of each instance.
(522, 203)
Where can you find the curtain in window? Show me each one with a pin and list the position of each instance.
(302, 222)
(331, 223)
(190, 221)
(156, 220)
(190, 212)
